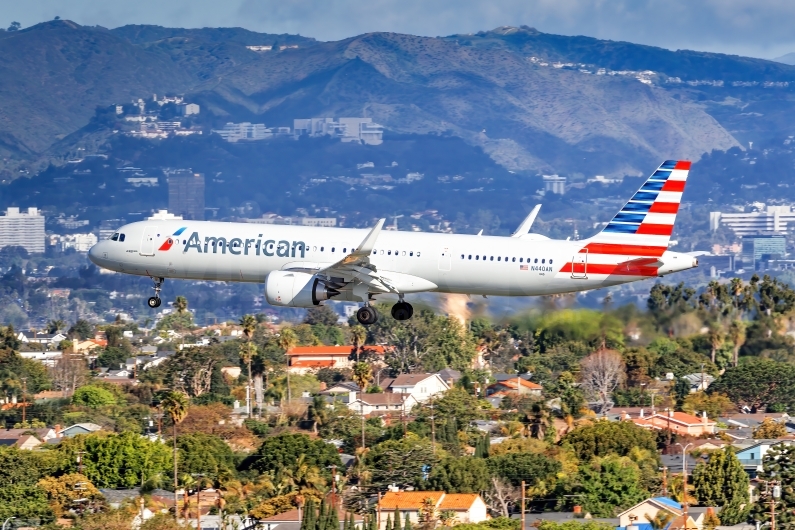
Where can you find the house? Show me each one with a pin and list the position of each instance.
(85, 346)
(291, 520)
(421, 386)
(28, 442)
(33, 337)
(752, 452)
(468, 507)
(514, 385)
(79, 428)
(13, 436)
(48, 358)
(303, 359)
(638, 516)
(673, 463)
(678, 422)
(381, 403)
(449, 376)
(699, 382)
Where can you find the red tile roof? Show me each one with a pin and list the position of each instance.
(311, 364)
(331, 350)
(458, 501)
(408, 500)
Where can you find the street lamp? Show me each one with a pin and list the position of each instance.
(684, 481)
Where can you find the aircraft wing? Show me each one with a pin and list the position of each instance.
(357, 264)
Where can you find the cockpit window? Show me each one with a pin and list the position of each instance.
(114, 237)
(121, 237)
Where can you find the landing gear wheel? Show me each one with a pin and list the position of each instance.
(367, 315)
(402, 311)
(153, 302)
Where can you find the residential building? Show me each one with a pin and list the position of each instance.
(751, 453)
(762, 248)
(468, 507)
(246, 131)
(422, 387)
(380, 403)
(108, 228)
(79, 428)
(638, 516)
(554, 184)
(678, 422)
(78, 242)
(186, 109)
(361, 130)
(772, 219)
(33, 337)
(291, 520)
(303, 359)
(699, 382)
(515, 385)
(274, 219)
(186, 194)
(22, 229)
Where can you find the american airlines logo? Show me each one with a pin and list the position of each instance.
(168, 243)
(237, 246)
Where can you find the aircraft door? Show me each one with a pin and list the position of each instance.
(445, 259)
(579, 265)
(148, 241)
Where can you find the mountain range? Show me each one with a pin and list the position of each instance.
(534, 102)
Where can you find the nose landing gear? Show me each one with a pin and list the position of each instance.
(154, 301)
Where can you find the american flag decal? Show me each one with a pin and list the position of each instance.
(522, 267)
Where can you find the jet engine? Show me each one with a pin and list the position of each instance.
(296, 289)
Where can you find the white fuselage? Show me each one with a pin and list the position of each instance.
(449, 263)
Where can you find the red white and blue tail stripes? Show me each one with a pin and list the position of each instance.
(640, 231)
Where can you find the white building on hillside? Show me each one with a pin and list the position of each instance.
(361, 130)
(780, 219)
(246, 131)
(22, 229)
(79, 242)
(420, 386)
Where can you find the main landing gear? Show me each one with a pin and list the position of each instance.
(367, 315)
(155, 300)
(402, 310)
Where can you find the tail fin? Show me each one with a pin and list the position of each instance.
(643, 226)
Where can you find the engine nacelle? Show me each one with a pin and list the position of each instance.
(296, 289)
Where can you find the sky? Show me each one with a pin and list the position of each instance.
(755, 28)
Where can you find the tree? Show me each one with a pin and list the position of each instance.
(601, 374)
(737, 336)
(661, 520)
(358, 336)
(249, 325)
(93, 397)
(282, 451)
(54, 326)
(401, 462)
(247, 352)
(460, 475)
(721, 481)
(362, 375)
(322, 315)
(287, 340)
(318, 412)
(603, 438)
(715, 405)
(528, 467)
(205, 454)
(175, 405)
(62, 492)
(769, 429)
(757, 384)
(605, 486)
(180, 304)
(14, 26)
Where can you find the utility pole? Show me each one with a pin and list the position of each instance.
(523, 499)
(80, 461)
(361, 410)
(199, 508)
(665, 481)
(433, 428)
(333, 487)
(24, 397)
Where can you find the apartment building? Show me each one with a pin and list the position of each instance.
(22, 229)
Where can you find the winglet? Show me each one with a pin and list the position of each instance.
(527, 223)
(369, 242)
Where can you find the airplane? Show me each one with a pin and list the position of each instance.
(305, 266)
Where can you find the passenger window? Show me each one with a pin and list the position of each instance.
(492, 258)
(543, 261)
(375, 252)
(462, 256)
(321, 249)
(477, 257)
(114, 237)
(513, 259)
(396, 253)
(121, 237)
(404, 253)
(499, 258)
(332, 249)
(314, 249)
(536, 260)
(470, 256)
(418, 254)
(521, 260)
(345, 249)
(388, 252)
(411, 253)
(550, 262)
(506, 258)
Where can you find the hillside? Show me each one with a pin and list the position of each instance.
(495, 89)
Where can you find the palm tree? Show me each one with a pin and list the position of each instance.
(540, 419)
(661, 520)
(358, 336)
(318, 412)
(303, 476)
(737, 336)
(249, 324)
(362, 374)
(715, 340)
(287, 340)
(175, 404)
(676, 487)
(247, 352)
(54, 326)
(180, 304)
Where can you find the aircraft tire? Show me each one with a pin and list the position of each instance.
(367, 315)
(153, 302)
(402, 311)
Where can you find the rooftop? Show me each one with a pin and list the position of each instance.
(408, 500)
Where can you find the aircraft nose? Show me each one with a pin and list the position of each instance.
(94, 253)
